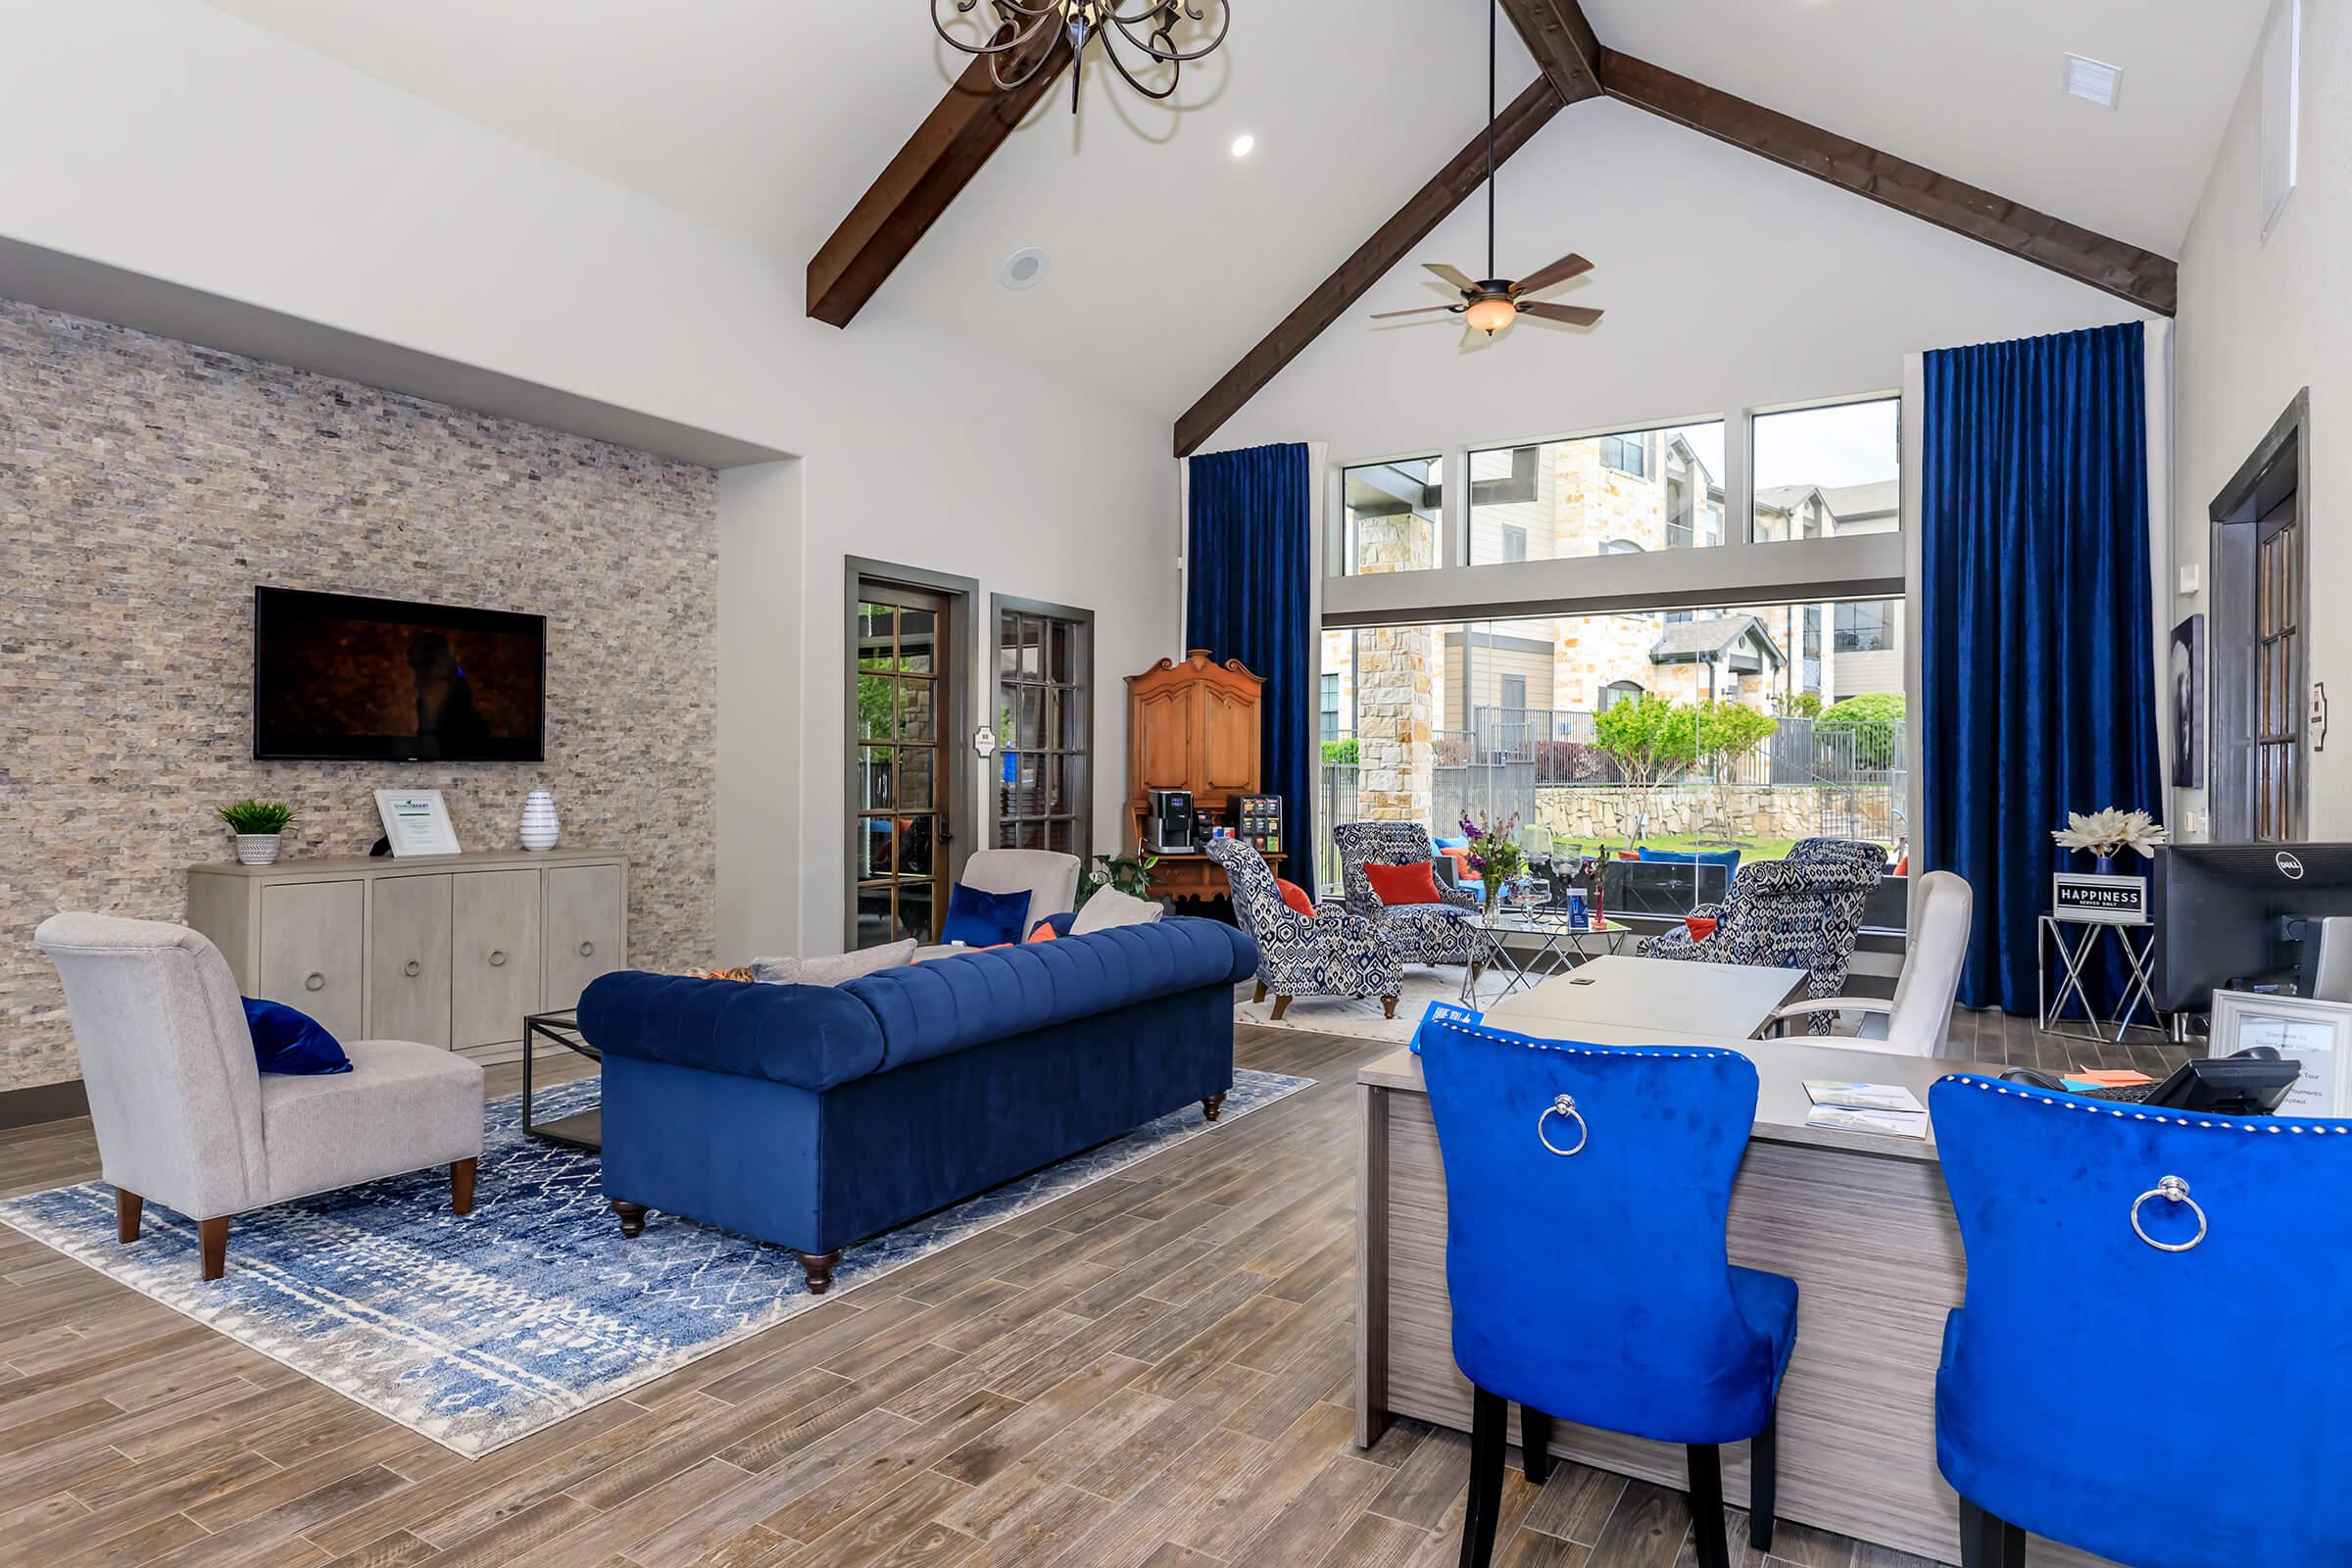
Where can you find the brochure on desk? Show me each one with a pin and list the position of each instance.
(1889, 1109)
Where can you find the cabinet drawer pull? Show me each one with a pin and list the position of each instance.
(313, 981)
(498, 959)
(587, 950)
(411, 969)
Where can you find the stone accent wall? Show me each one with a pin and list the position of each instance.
(146, 487)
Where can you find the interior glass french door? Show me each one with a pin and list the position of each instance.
(2278, 693)
(900, 800)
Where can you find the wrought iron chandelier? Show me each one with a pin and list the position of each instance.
(1018, 48)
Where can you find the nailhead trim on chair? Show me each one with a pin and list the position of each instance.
(2243, 1124)
(1664, 1052)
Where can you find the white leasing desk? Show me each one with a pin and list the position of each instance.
(1860, 1222)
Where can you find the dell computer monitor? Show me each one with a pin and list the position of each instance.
(2242, 917)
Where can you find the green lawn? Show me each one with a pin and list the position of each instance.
(1749, 848)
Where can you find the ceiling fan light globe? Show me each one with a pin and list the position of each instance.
(1490, 315)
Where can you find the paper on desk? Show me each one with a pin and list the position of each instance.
(2107, 1078)
(1891, 1123)
(1864, 1096)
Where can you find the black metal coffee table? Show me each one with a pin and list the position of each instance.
(585, 1129)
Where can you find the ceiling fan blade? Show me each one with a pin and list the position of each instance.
(1425, 309)
(1559, 272)
(1453, 276)
(1573, 315)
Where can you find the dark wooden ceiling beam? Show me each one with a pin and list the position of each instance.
(1392, 243)
(2125, 271)
(1557, 35)
(938, 161)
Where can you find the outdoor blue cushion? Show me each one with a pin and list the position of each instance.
(1729, 860)
(980, 919)
(1450, 843)
(288, 1041)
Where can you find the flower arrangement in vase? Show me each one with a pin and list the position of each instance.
(2105, 834)
(1494, 854)
(259, 826)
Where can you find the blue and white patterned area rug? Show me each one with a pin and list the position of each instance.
(481, 1329)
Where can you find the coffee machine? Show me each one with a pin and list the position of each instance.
(1169, 826)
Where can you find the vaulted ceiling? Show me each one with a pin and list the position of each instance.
(1169, 258)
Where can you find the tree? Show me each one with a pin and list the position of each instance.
(1727, 734)
(1797, 705)
(1873, 724)
(1649, 741)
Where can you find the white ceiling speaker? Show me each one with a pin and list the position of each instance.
(1023, 268)
(2092, 80)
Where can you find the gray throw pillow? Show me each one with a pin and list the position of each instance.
(833, 971)
(1110, 907)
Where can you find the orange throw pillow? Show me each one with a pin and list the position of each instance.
(1701, 926)
(1416, 882)
(1043, 933)
(1296, 896)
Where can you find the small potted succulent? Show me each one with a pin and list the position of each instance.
(258, 825)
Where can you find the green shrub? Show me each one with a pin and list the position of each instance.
(1873, 720)
(1341, 753)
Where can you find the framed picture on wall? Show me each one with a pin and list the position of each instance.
(2316, 1035)
(2186, 690)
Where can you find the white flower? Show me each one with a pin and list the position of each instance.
(2110, 831)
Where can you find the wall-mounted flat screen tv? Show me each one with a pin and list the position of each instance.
(336, 676)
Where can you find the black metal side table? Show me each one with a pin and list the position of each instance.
(585, 1129)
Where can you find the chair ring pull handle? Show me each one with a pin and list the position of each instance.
(1563, 1106)
(2173, 1190)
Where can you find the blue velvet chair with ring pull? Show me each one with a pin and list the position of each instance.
(2152, 1363)
(1588, 1192)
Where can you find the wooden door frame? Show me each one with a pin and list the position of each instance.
(963, 595)
(2279, 465)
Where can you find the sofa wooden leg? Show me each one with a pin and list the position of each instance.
(1214, 1106)
(1281, 1005)
(1388, 1005)
(632, 1217)
(1261, 993)
(461, 1185)
(820, 1267)
(211, 1246)
(126, 1214)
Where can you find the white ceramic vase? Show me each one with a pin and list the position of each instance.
(539, 824)
(257, 848)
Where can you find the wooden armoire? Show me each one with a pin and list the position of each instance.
(1192, 727)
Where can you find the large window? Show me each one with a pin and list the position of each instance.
(1391, 516)
(1828, 470)
(1044, 727)
(1602, 495)
(1603, 734)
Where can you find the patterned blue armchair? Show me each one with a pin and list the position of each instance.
(1786, 914)
(1805, 851)
(1333, 954)
(1422, 933)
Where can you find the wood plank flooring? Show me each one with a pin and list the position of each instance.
(1152, 1373)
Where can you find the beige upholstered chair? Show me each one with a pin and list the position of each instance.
(185, 1118)
(1049, 876)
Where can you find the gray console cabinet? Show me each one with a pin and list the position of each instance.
(454, 950)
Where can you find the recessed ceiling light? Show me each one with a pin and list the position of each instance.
(1023, 268)
(1243, 145)
(2092, 80)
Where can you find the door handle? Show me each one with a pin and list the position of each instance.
(411, 969)
(313, 981)
(587, 950)
(498, 959)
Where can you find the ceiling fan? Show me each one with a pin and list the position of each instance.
(1490, 304)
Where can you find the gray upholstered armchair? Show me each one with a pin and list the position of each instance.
(184, 1116)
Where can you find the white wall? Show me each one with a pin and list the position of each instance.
(1729, 281)
(2260, 321)
(760, 538)
(168, 139)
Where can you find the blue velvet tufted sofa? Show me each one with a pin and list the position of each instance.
(816, 1116)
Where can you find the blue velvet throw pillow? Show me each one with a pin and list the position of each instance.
(288, 1041)
(979, 920)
